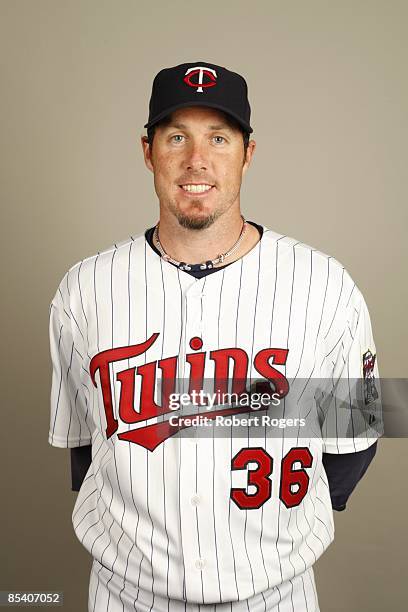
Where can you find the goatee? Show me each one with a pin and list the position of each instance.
(196, 223)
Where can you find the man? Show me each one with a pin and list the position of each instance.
(190, 514)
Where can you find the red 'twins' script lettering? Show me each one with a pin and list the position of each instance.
(152, 435)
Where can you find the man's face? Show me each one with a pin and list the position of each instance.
(197, 148)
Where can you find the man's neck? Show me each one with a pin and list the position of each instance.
(196, 246)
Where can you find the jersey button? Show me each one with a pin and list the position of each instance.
(200, 564)
(195, 499)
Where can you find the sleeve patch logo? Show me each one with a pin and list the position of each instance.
(370, 391)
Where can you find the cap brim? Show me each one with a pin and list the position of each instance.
(160, 116)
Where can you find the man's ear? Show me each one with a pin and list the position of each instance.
(147, 152)
(248, 157)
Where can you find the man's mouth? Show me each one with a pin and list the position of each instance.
(196, 188)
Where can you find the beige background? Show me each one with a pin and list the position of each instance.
(329, 94)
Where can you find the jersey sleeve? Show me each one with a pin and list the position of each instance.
(70, 422)
(349, 394)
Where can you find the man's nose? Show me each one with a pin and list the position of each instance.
(196, 156)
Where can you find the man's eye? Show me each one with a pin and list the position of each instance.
(180, 136)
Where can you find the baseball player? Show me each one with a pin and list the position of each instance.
(178, 510)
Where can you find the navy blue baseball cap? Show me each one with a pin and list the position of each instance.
(199, 84)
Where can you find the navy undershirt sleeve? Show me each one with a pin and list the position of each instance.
(81, 458)
(344, 471)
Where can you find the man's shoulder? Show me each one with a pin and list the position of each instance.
(117, 249)
(293, 245)
(79, 276)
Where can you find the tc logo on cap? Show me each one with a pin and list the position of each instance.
(201, 71)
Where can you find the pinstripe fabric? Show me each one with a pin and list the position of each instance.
(110, 593)
(161, 525)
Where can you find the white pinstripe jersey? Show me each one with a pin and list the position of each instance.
(206, 519)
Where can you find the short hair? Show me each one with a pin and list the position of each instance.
(229, 120)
